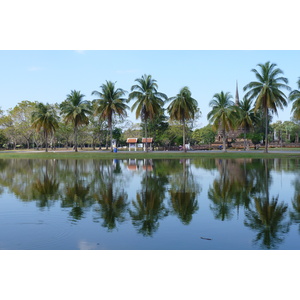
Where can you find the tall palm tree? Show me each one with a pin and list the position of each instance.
(45, 119)
(76, 111)
(149, 101)
(295, 96)
(221, 115)
(267, 92)
(246, 117)
(183, 108)
(109, 103)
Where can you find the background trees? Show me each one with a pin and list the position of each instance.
(110, 103)
(295, 97)
(76, 111)
(267, 92)
(182, 108)
(44, 119)
(222, 114)
(109, 111)
(149, 101)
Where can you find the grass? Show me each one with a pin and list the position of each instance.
(142, 155)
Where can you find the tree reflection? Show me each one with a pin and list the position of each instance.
(148, 208)
(268, 220)
(113, 206)
(44, 190)
(77, 198)
(111, 198)
(183, 193)
(295, 213)
(267, 217)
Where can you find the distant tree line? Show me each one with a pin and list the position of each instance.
(76, 122)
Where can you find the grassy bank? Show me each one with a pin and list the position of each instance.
(143, 155)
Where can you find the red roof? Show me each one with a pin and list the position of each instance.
(133, 140)
(149, 140)
(149, 168)
(132, 167)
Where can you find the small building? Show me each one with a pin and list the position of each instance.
(132, 142)
(149, 141)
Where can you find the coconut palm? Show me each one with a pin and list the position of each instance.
(246, 117)
(45, 119)
(221, 115)
(76, 111)
(183, 108)
(149, 101)
(267, 92)
(295, 96)
(110, 103)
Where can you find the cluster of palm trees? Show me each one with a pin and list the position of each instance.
(266, 91)
(110, 101)
(268, 95)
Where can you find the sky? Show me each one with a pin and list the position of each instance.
(49, 75)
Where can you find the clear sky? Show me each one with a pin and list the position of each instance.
(49, 75)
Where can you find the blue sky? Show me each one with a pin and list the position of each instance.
(49, 75)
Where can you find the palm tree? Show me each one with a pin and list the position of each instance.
(183, 108)
(246, 117)
(149, 101)
(267, 92)
(110, 102)
(295, 96)
(221, 114)
(75, 111)
(45, 119)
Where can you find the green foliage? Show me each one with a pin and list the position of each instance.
(183, 108)
(221, 115)
(3, 138)
(255, 138)
(45, 119)
(295, 97)
(75, 110)
(267, 92)
(205, 135)
(149, 101)
(110, 102)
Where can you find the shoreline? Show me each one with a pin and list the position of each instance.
(106, 154)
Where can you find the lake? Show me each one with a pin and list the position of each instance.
(192, 204)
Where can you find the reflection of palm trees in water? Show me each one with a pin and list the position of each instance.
(77, 196)
(295, 213)
(221, 195)
(183, 194)
(112, 206)
(111, 198)
(230, 189)
(44, 190)
(148, 208)
(267, 217)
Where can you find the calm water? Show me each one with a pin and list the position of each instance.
(150, 204)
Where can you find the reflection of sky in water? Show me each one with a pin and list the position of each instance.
(56, 205)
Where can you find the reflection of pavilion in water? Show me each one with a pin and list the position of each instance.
(139, 164)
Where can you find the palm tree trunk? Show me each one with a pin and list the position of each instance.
(266, 133)
(75, 134)
(46, 141)
(111, 139)
(224, 140)
(146, 134)
(183, 135)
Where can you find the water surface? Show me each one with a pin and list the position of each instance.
(150, 204)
